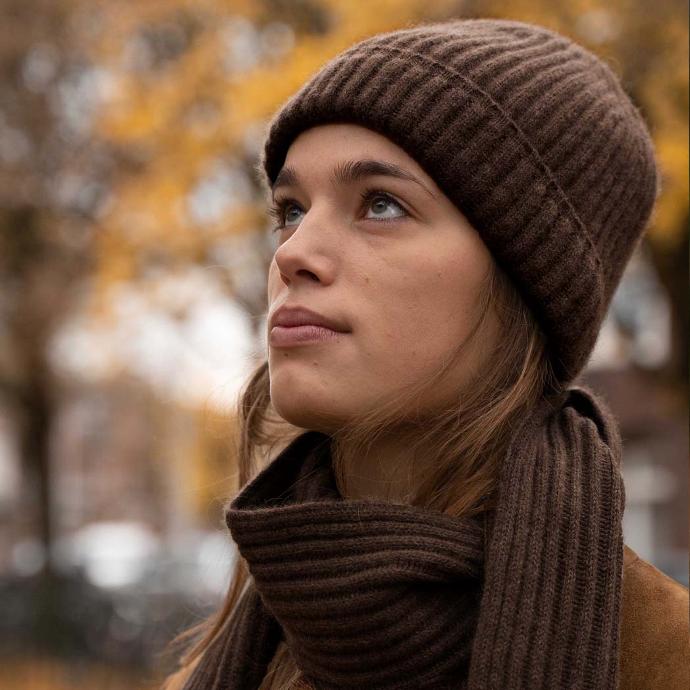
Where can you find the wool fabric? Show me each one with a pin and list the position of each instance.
(528, 133)
(372, 594)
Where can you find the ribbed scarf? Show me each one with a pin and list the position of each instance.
(377, 595)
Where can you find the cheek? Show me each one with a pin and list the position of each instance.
(431, 307)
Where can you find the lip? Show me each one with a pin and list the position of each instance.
(298, 325)
(301, 316)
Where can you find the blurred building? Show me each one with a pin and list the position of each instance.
(633, 346)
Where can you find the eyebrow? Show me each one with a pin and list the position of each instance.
(351, 171)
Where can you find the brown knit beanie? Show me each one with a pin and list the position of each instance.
(528, 133)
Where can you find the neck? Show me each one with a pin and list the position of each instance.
(386, 470)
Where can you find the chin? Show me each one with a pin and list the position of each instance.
(305, 409)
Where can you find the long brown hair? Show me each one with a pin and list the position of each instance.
(465, 442)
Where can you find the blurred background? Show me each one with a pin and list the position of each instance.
(133, 252)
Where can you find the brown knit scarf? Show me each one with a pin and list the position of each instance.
(376, 595)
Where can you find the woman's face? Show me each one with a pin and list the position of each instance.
(391, 261)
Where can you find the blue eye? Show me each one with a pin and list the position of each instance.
(280, 211)
(376, 197)
(287, 209)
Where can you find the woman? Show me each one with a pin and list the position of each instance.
(455, 205)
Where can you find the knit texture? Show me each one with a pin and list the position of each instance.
(528, 133)
(370, 594)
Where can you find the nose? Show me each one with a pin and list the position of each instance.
(308, 253)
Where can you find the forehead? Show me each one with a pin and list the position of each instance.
(336, 138)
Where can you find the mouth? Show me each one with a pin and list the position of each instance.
(296, 325)
(304, 334)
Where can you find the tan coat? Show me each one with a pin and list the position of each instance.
(655, 635)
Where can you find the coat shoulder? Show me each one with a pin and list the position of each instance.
(655, 628)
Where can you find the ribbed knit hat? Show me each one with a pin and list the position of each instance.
(529, 134)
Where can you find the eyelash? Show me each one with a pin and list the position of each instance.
(277, 210)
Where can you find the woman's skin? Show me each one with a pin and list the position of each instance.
(402, 275)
